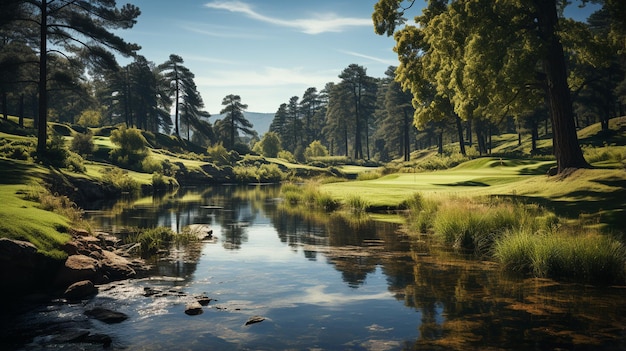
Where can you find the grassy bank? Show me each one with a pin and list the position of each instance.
(28, 211)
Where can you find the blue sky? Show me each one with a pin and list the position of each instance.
(266, 51)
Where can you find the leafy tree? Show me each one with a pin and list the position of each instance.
(483, 56)
(79, 27)
(234, 119)
(315, 149)
(270, 145)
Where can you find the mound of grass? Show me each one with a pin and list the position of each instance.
(582, 257)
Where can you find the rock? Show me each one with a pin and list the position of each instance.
(255, 319)
(80, 290)
(106, 315)
(115, 266)
(203, 300)
(193, 308)
(77, 268)
(79, 232)
(23, 269)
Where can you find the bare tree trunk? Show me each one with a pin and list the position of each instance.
(43, 79)
(566, 147)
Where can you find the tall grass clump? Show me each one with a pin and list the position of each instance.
(583, 257)
(356, 204)
(368, 175)
(314, 198)
(154, 239)
(292, 193)
(467, 225)
(421, 212)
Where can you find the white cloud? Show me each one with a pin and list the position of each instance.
(319, 23)
(371, 58)
(266, 76)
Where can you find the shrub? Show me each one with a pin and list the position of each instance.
(270, 173)
(82, 144)
(219, 155)
(151, 165)
(287, 156)
(315, 149)
(131, 147)
(74, 162)
(368, 175)
(120, 180)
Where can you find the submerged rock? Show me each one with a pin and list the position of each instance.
(255, 319)
(193, 308)
(106, 315)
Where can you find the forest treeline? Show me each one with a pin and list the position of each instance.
(468, 69)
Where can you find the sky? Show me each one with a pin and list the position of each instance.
(265, 51)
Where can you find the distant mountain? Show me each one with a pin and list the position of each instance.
(260, 121)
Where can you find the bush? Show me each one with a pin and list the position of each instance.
(131, 147)
(270, 145)
(82, 144)
(120, 180)
(151, 165)
(75, 163)
(287, 156)
(219, 155)
(315, 149)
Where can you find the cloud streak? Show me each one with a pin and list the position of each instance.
(371, 58)
(317, 24)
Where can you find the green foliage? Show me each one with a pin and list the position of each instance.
(131, 147)
(151, 165)
(315, 149)
(270, 145)
(82, 144)
(154, 239)
(264, 173)
(90, 118)
(120, 180)
(368, 175)
(606, 153)
(287, 156)
(586, 257)
(17, 149)
(219, 155)
(75, 163)
(356, 204)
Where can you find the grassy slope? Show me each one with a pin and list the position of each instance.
(600, 191)
(22, 219)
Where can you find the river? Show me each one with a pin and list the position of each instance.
(323, 282)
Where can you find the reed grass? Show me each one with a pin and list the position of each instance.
(587, 257)
(356, 204)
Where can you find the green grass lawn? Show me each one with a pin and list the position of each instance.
(22, 219)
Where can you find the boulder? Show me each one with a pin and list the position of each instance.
(80, 290)
(193, 308)
(115, 266)
(23, 268)
(77, 268)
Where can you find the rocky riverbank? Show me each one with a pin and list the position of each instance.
(28, 275)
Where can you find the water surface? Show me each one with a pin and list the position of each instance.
(326, 282)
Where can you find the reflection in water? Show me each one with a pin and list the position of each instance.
(329, 282)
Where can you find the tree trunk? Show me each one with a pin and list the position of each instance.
(43, 79)
(566, 147)
(459, 128)
(5, 109)
(21, 111)
(407, 145)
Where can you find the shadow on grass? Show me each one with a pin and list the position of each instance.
(465, 183)
(593, 207)
(12, 172)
